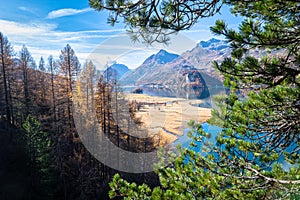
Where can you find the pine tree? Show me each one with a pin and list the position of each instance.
(42, 80)
(256, 155)
(38, 143)
(69, 68)
(6, 54)
(152, 21)
(27, 66)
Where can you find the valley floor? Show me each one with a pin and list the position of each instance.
(168, 117)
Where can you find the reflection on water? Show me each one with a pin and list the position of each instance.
(208, 102)
(205, 94)
(186, 93)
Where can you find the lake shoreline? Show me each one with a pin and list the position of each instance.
(168, 116)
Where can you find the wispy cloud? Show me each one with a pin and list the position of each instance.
(66, 12)
(24, 8)
(12, 28)
(102, 46)
(43, 39)
(43, 32)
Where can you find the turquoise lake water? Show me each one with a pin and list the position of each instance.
(214, 131)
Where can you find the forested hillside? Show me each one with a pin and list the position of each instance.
(42, 156)
(50, 109)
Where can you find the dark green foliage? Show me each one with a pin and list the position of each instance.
(38, 150)
(154, 20)
(219, 113)
(38, 143)
(257, 152)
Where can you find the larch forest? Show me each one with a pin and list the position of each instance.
(42, 156)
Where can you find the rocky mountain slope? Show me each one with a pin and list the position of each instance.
(193, 67)
(150, 66)
(202, 56)
(116, 71)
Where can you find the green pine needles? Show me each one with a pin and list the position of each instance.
(256, 155)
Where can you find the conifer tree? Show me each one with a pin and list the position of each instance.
(6, 55)
(38, 143)
(69, 68)
(27, 65)
(256, 155)
(153, 20)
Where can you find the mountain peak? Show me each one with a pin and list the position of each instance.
(119, 67)
(213, 44)
(116, 70)
(161, 57)
(214, 40)
(162, 52)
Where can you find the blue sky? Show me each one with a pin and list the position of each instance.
(46, 26)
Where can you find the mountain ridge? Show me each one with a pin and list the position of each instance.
(167, 69)
(116, 71)
(149, 66)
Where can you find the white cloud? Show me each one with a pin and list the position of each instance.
(15, 28)
(66, 12)
(42, 39)
(102, 46)
(26, 9)
(46, 33)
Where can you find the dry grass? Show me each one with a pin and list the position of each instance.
(167, 117)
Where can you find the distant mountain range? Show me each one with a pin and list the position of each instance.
(214, 44)
(193, 67)
(116, 71)
(161, 58)
(149, 71)
(202, 56)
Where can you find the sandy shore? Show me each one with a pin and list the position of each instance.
(168, 117)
